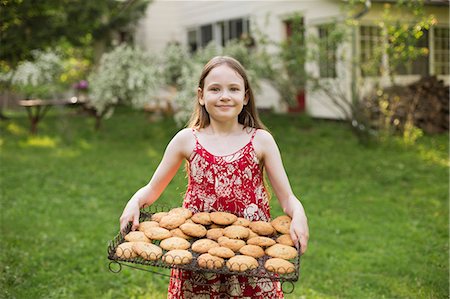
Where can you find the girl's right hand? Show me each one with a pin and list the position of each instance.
(130, 214)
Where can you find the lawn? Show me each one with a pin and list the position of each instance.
(378, 215)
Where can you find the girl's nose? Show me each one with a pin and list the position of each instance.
(225, 95)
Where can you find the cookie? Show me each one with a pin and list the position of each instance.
(147, 224)
(171, 221)
(285, 240)
(157, 233)
(125, 250)
(214, 233)
(241, 263)
(242, 222)
(157, 216)
(174, 243)
(262, 228)
(202, 218)
(194, 230)
(147, 251)
(282, 251)
(251, 234)
(136, 236)
(210, 262)
(282, 224)
(223, 218)
(233, 244)
(220, 251)
(186, 213)
(235, 232)
(213, 225)
(177, 232)
(177, 257)
(203, 245)
(252, 250)
(261, 241)
(279, 266)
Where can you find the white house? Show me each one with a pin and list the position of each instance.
(195, 23)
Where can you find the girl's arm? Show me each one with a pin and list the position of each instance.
(271, 157)
(179, 148)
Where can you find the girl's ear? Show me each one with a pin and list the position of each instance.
(200, 97)
(246, 98)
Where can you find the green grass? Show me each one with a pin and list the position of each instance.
(378, 215)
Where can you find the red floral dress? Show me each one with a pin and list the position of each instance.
(232, 183)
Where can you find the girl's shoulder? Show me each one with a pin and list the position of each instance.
(184, 141)
(263, 136)
(263, 143)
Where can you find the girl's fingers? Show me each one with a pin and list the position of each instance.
(303, 244)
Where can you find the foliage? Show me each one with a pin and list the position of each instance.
(173, 59)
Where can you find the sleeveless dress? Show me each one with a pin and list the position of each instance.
(234, 184)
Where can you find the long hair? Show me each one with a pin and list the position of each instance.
(249, 115)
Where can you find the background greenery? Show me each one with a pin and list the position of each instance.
(378, 215)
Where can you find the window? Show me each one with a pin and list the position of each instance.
(420, 65)
(206, 32)
(327, 54)
(441, 51)
(370, 45)
(192, 40)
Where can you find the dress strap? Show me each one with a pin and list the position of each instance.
(194, 132)
(253, 135)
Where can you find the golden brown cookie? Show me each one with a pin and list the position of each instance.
(157, 233)
(241, 263)
(262, 228)
(210, 262)
(125, 250)
(177, 232)
(203, 245)
(285, 240)
(177, 257)
(171, 221)
(242, 222)
(220, 251)
(214, 233)
(261, 241)
(202, 218)
(147, 224)
(252, 250)
(174, 243)
(233, 244)
(147, 251)
(235, 232)
(186, 213)
(213, 225)
(279, 266)
(136, 236)
(223, 218)
(282, 251)
(251, 234)
(157, 216)
(282, 224)
(194, 230)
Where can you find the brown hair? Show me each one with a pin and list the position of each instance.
(248, 116)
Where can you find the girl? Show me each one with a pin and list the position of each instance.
(226, 148)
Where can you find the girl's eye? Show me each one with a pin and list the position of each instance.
(214, 89)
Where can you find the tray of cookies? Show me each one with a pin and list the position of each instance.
(217, 242)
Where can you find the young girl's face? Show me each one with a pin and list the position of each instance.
(223, 93)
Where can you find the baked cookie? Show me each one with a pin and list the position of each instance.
(210, 262)
(174, 243)
(186, 213)
(171, 221)
(242, 222)
(203, 245)
(202, 218)
(214, 233)
(233, 244)
(251, 234)
(282, 251)
(177, 257)
(285, 240)
(261, 241)
(262, 228)
(157, 216)
(235, 232)
(157, 233)
(282, 224)
(279, 266)
(214, 225)
(125, 250)
(220, 251)
(223, 218)
(147, 251)
(194, 230)
(147, 224)
(136, 236)
(177, 232)
(241, 263)
(252, 250)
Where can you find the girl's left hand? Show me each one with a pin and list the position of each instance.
(300, 232)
